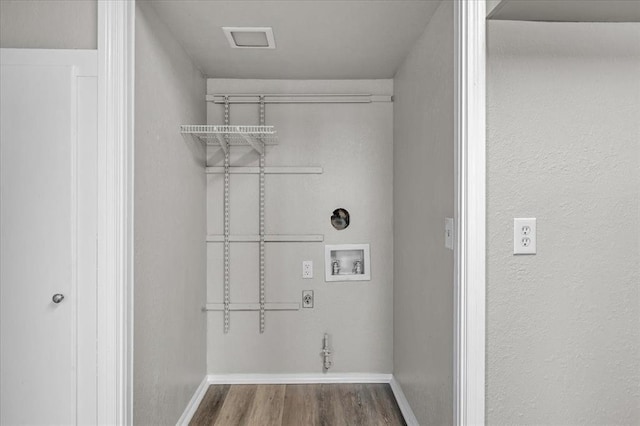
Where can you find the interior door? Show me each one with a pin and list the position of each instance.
(48, 122)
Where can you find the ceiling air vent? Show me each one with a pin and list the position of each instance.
(250, 37)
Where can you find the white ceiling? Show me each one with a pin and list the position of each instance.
(568, 10)
(314, 39)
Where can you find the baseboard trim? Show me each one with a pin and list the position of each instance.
(405, 408)
(272, 379)
(194, 403)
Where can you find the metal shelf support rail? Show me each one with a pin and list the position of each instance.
(268, 238)
(248, 170)
(227, 246)
(299, 98)
(253, 307)
(262, 246)
(257, 137)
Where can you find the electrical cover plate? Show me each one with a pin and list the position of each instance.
(307, 269)
(524, 235)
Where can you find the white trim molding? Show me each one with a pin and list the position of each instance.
(288, 379)
(115, 209)
(194, 403)
(403, 403)
(469, 358)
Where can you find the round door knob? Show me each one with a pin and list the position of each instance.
(57, 298)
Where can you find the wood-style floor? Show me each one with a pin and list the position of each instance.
(298, 405)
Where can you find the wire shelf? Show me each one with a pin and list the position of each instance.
(234, 135)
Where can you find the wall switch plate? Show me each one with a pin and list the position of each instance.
(307, 298)
(524, 235)
(448, 232)
(307, 269)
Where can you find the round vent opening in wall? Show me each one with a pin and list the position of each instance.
(340, 219)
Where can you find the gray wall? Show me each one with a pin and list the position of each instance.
(354, 145)
(491, 5)
(170, 207)
(423, 185)
(48, 24)
(563, 339)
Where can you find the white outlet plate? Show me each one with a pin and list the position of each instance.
(524, 235)
(307, 269)
(307, 298)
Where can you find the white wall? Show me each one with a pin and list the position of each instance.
(563, 342)
(423, 188)
(49, 24)
(170, 207)
(353, 143)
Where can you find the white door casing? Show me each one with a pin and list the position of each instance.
(48, 182)
(116, 46)
(469, 289)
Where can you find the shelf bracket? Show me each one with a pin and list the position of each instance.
(222, 143)
(254, 143)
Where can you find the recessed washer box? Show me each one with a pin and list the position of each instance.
(347, 262)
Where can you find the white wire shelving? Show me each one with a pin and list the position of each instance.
(227, 135)
(258, 137)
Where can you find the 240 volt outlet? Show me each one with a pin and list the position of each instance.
(307, 298)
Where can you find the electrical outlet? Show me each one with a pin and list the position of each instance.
(307, 269)
(307, 298)
(524, 235)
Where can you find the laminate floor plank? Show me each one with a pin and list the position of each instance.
(268, 405)
(386, 405)
(209, 408)
(336, 406)
(331, 406)
(367, 404)
(299, 405)
(237, 406)
(354, 404)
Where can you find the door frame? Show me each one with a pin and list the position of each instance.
(470, 211)
(116, 47)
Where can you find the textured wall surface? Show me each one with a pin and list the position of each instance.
(423, 179)
(563, 339)
(47, 24)
(353, 143)
(170, 207)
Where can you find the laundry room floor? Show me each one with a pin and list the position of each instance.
(299, 405)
